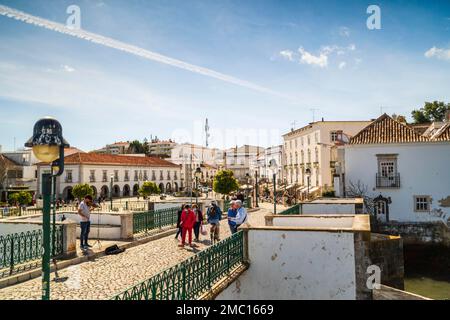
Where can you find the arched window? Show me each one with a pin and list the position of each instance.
(317, 154)
(303, 156)
(309, 155)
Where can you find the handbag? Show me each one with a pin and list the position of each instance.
(203, 230)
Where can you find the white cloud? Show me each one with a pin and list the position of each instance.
(287, 54)
(321, 60)
(344, 32)
(442, 54)
(342, 65)
(68, 68)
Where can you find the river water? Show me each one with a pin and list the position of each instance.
(428, 287)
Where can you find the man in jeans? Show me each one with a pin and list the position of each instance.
(84, 210)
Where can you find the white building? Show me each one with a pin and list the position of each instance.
(114, 148)
(190, 157)
(241, 160)
(262, 163)
(310, 147)
(128, 173)
(408, 174)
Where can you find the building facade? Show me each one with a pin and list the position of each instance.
(405, 173)
(190, 157)
(127, 173)
(242, 160)
(310, 147)
(161, 148)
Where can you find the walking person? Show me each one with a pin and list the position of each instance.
(214, 215)
(179, 231)
(198, 222)
(231, 215)
(187, 224)
(239, 218)
(84, 210)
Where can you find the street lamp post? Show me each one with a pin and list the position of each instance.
(48, 146)
(111, 190)
(198, 175)
(273, 166)
(256, 189)
(308, 177)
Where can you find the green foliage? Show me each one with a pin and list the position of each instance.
(22, 198)
(225, 182)
(149, 188)
(80, 191)
(431, 111)
(328, 193)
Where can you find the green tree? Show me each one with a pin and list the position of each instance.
(149, 188)
(225, 182)
(80, 191)
(399, 118)
(22, 198)
(136, 147)
(431, 111)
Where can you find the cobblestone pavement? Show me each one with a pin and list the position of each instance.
(108, 275)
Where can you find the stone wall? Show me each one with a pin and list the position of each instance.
(418, 232)
(387, 253)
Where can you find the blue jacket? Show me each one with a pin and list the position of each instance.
(214, 217)
(232, 214)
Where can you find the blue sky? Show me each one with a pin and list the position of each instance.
(315, 55)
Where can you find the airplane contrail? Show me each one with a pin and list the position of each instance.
(115, 44)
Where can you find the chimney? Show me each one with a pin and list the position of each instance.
(447, 116)
(322, 119)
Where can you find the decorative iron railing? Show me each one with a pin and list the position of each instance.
(391, 181)
(292, 210)
(150, 220)
(192, 277)
(20, 248)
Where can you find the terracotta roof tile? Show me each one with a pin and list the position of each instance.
(387, 130)
(443, 134)
(109, 159)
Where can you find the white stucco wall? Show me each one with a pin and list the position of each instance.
(327, 208)
(424, 170)
(296, 265)
(312, 222)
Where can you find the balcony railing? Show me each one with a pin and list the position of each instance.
(391, 181)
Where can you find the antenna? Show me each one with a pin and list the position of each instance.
(207, 135)
(314, 113)
(293, 124)
(14, 143)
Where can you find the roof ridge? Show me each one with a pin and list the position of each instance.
(385, 129)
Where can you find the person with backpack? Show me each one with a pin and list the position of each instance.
(214, 215)
(187, 224)
(238, 216)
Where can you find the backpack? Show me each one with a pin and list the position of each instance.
(114, 249)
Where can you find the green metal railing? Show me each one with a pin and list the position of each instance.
(192, 277)
(292, 210)
(150, 220)
(20, 248)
